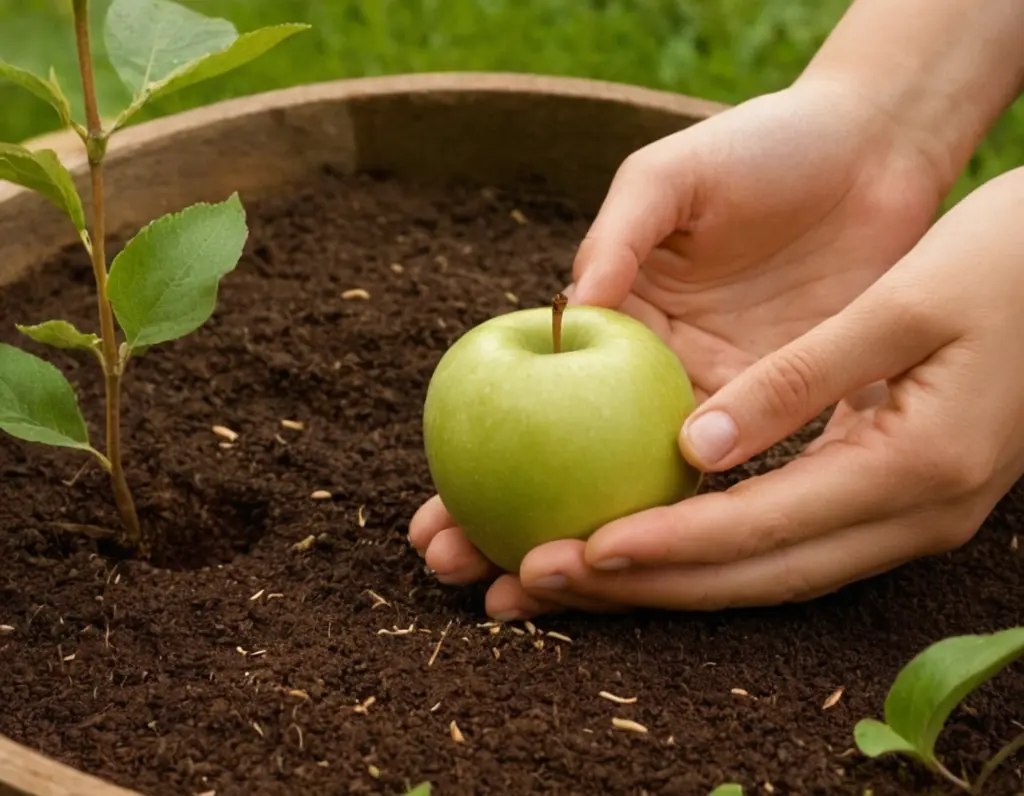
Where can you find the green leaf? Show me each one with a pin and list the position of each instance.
(46, 90)
(875, 738)
(928, 688)
(61, 334)
(37, 404)
(423, 789)
(728, 789)
(247, 47)
(147, 40)
(43, 172)
(163, 284)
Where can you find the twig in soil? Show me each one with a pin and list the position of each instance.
(397, 631)
(440, 641)
(628, 724)
(225, 433)
(80, 529)
(833, 698)
(378, 601)
(305, 545)
(78, 474)
(456, 733)
(617, 699)
(298, 694)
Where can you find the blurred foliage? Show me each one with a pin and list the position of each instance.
(726, 50)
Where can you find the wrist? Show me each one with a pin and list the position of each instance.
(939, 71)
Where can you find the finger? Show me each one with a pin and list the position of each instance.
(803, 572)
(506, 601)
(455, 560)
(429, 519)
(883, 333)
(556, 556)
(845, 484)
(642, 208)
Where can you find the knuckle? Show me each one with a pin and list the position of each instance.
(771, 532)
(795, 584)
(792, 380)
(909, 309)
(952, 472)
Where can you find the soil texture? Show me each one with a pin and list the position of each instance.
(279, 644)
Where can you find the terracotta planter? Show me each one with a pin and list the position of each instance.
(498, 129)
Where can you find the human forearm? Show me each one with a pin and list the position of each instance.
(943, 70)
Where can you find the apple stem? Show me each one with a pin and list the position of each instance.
(557, 308)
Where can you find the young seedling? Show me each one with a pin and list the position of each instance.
(163, 285)
(927, 690)
(423, 789)
(727, 789)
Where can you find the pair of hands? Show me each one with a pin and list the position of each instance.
(785, 249)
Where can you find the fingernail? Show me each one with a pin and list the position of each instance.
(508, 616)
(711, 436)
(613, 564)
(549, 583)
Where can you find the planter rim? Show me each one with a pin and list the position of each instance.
(69, 147)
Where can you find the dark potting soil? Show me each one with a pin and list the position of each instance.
(237, 664)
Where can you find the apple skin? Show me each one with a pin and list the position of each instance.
(526, 446)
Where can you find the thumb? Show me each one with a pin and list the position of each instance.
(877, 337)
(649, 199)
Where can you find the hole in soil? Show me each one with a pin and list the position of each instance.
(191, 528)
(202, 531)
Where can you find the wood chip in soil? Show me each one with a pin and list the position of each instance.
(156, 645)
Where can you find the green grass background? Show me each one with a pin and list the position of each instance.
(725, 50)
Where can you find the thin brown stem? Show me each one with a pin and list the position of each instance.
(111, 364)
(949, 775)
(557, 309)
(996, 760)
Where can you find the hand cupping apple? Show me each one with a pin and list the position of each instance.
(540, 425)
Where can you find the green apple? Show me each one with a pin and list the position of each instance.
(529, 440)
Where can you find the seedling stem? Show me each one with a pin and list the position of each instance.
(95, 140)
(557, 309)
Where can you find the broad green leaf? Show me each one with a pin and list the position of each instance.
(147, 40)
(928, 688)
(728, 789)
(247, 47)
(163, 284)
(875, 738)
(61, 334)
(43, 172)
(46, 90)
(37, 404)
(423, 789)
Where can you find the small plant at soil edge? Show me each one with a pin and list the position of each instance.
(927, 690)
(163, 284)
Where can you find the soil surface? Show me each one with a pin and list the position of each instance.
(238, 664)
